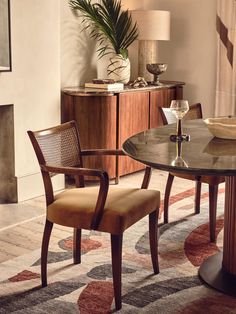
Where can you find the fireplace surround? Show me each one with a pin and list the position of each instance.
(8, 182)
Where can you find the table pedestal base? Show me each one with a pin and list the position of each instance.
(211, 272)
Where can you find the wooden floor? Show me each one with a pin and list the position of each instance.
(21, 225)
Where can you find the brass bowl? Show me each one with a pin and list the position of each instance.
(156, 69)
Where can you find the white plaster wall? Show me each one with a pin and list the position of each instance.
(78, 58)
(49, 51)
(79, 62)
(33, 86)
(191, 52)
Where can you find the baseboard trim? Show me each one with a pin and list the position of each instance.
(31, 185)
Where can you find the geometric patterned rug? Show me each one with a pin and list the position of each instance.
(87, 288)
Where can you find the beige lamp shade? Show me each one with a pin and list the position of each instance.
(152, 25)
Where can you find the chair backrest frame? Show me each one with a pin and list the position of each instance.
(195, 112)
(45, 153)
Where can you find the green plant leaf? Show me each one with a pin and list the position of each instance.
(108, 23)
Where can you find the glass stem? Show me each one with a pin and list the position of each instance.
(179, 128)
(179, 149)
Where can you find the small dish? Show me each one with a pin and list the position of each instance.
(224, 127)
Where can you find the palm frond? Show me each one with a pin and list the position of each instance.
(108, 23)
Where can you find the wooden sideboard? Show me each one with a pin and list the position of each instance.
(106, 119)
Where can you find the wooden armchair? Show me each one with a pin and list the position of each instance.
(105, 208)
(195, 112)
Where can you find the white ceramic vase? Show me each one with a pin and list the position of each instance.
(119, 69)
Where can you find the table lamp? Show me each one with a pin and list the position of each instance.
(153, 25)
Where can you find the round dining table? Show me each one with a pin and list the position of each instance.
(202, 155)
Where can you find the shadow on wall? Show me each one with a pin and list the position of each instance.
(78, 57)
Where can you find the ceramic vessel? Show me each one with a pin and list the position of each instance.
(222, 127)
(119, 69)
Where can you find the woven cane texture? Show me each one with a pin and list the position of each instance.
(60, 148)
(195, 112)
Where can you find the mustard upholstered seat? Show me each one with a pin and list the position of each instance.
(105, 208)
(195, 112)
(123, 207)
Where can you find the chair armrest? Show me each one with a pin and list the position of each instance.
(73, 171)
(118, 152)
(103, 189)
(97, 152)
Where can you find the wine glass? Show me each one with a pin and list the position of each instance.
(179, 108)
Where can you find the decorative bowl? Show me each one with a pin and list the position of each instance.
(156, 69)
(224, 127)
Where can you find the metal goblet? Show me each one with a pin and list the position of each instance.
(156, 69)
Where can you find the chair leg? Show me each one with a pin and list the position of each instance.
(77, 246)
(213, 194)
(44, 251)
(197, 196)
(116, 257)
(167, 197)
(153, 239)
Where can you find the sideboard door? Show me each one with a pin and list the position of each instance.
(96, 119)
(133, 118)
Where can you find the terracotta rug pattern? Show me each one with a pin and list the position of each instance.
(87, 288)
